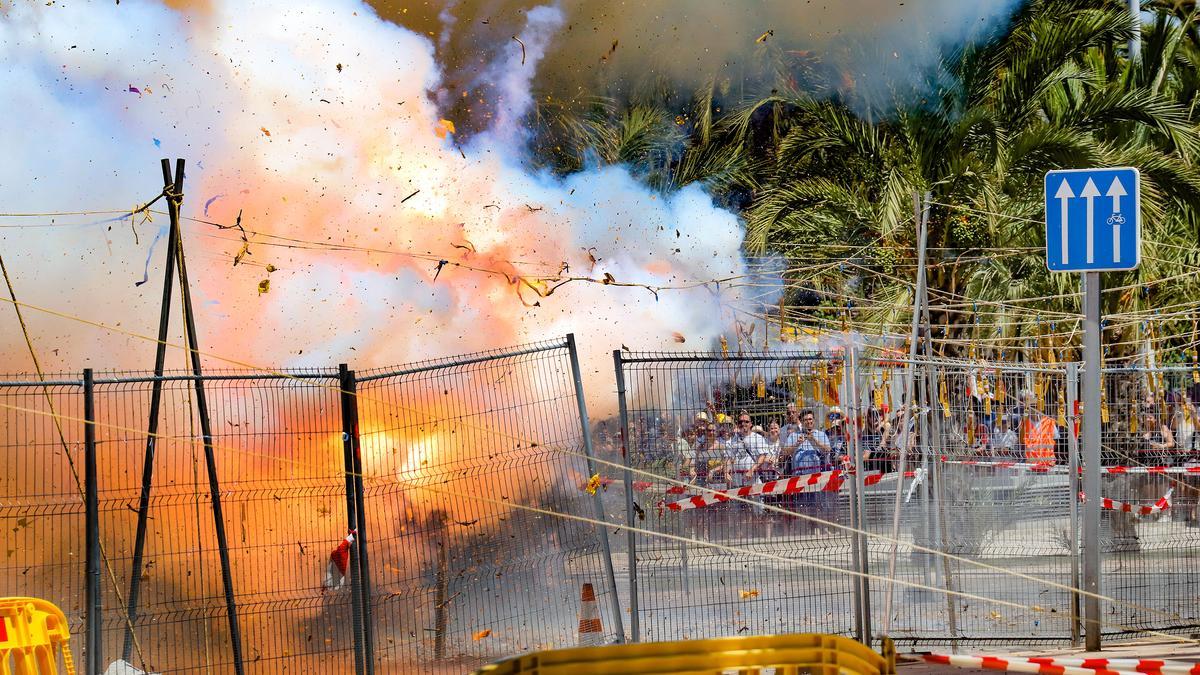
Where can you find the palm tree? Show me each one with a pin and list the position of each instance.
(827, 181)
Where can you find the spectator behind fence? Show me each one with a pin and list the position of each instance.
(836, 433)
(1156, 442)
(748, 453)
(685, 453)
(896, 438)
(774, 442)
(1187, 453)
(975, 436)
(1184, 426)
(870, 443)
(809, 446)
(791, 422)
(1004, 439)
(1038, 432)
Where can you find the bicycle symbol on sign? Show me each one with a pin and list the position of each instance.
(1116, 219)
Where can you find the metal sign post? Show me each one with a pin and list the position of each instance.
(1091, 456)
(1093, 225)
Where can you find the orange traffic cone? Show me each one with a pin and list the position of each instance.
(591, 633)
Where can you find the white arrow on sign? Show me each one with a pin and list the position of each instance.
(1090, 192)
(1116, 191)
(1064, 195)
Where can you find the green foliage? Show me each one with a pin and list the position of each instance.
(822, 182)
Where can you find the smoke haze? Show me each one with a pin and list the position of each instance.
(873, 53)
(317, 124)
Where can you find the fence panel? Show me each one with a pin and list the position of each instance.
(971, 422)
(682, 413)
(277, 444)
(1149, 423)
(452, 450)
(41, 502)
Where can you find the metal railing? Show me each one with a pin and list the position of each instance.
(477, 490)
(983, 536)
(449, 473)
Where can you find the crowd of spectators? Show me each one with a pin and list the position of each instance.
(732, 449)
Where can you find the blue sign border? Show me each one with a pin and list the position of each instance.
(1137, 206)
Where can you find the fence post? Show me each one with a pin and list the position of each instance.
(210, 459)
(634, 621)
(350, 386)
(857, 499)
(597, 500)
(940, 534)
(95, 639)
(1073, 539)
(348, 404)
(160, 355)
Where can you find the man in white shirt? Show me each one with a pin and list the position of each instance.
(747, 452)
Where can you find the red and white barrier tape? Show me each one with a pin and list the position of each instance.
(826, 481)
(1059, 468)
(1044, 665)
(1122, 665)
(1139, 511)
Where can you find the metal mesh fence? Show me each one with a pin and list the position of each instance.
(449, 451)
(970, 424)
(278, 455)
(1148, 423)
(993, 461)
(42, 506)
(694, 418)
(478, 514)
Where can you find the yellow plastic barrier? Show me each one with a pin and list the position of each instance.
(32, 631)
(785, 654)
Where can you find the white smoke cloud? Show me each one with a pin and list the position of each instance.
(317, 122)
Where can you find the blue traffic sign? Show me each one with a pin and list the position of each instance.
(1093, 220)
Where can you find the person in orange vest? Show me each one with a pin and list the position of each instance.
(1038, 431)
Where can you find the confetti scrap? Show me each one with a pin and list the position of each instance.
(157, 143)
(609, 53)
(264, 286)
(265, 131)
(592, 484)
(678, 337)
(135, 90)
(438, 270)
(522, 48)
(444, 127)
(245, 251)
(210, 202)
(414, 193)
(481, 634)
(751, 593)
(763, 38)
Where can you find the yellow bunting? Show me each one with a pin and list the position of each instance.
(724, 347)
(944, 396)
(971, 435)
(761, 386)
(1133, 421)
(1062, 409)
(1103, 408)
